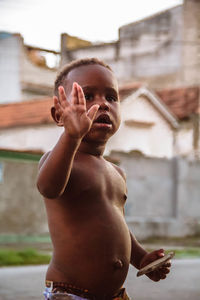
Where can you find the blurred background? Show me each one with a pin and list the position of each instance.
(154, 49)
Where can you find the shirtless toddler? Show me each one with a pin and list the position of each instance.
(84, 194)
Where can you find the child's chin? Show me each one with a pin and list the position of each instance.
(97, 136)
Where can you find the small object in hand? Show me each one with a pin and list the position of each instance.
(155, 264)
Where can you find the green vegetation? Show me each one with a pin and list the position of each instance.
(18, 239)
(186, 253)
(20, 155)
(19, 250)
(181, 253)
(29, 256)
(22, 257)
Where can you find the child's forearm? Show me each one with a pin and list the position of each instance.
(55, 170)
(137, 252)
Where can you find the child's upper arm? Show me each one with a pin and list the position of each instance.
(42, 159)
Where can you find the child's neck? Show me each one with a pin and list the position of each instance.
(96, 149)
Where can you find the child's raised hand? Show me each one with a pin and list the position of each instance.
(160, 272)
(73, 114)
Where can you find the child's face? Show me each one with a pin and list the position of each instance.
(100, 87)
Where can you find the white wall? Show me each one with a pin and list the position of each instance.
(155, 138)
(9, 68)
(41, 138)
(184, 142)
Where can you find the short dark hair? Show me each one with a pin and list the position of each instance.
(74, 64)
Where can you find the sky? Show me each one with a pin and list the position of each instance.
(41, 22)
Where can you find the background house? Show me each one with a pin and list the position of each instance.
(162, 123)
(159, 124)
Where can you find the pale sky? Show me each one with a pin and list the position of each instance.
(41, 22)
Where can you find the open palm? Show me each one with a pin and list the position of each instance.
(74, 115)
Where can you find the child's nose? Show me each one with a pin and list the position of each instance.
(103, 104)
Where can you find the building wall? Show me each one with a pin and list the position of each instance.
(191, 42)
(163, 195)
(184, 143)
(146, 131)
(42, 138)
(20, 78)
(162, 51)
(106, 52)
(9, 68)
(21, 206)
(31, 74)
(149, 47)
(148, 50)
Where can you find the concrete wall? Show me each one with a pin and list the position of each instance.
(162, 51)
(27, 79)
(147, 50)
(21, 206)
(191, 41)
(149, 47)
(10, 90)
(32, 75)
(163, 196)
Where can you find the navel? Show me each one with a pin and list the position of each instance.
(118, 264)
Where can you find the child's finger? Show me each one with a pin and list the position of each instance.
(155, 276)
(165, 270)
(81, 96)
(57, 104)
(92, 111)
(167, 264)
(74, 94)
(62, 97)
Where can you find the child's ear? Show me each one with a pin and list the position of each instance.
(55, 115)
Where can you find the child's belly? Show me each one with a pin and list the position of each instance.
(92, 252)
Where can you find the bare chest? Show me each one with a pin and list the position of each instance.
(99, 179)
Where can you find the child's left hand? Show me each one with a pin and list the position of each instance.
(159, 273)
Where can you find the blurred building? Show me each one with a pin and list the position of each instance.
(162, 51)
(24, 73)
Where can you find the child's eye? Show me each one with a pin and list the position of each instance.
(88, 97)
(111, 98)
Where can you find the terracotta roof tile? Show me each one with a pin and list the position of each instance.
(128, 89)
(26, 113)
(181, 101)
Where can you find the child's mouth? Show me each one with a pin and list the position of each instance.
(103, 121)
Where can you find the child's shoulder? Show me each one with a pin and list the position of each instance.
(118, 169)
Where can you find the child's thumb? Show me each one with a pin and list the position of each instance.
(160, 252)
(92, 111)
